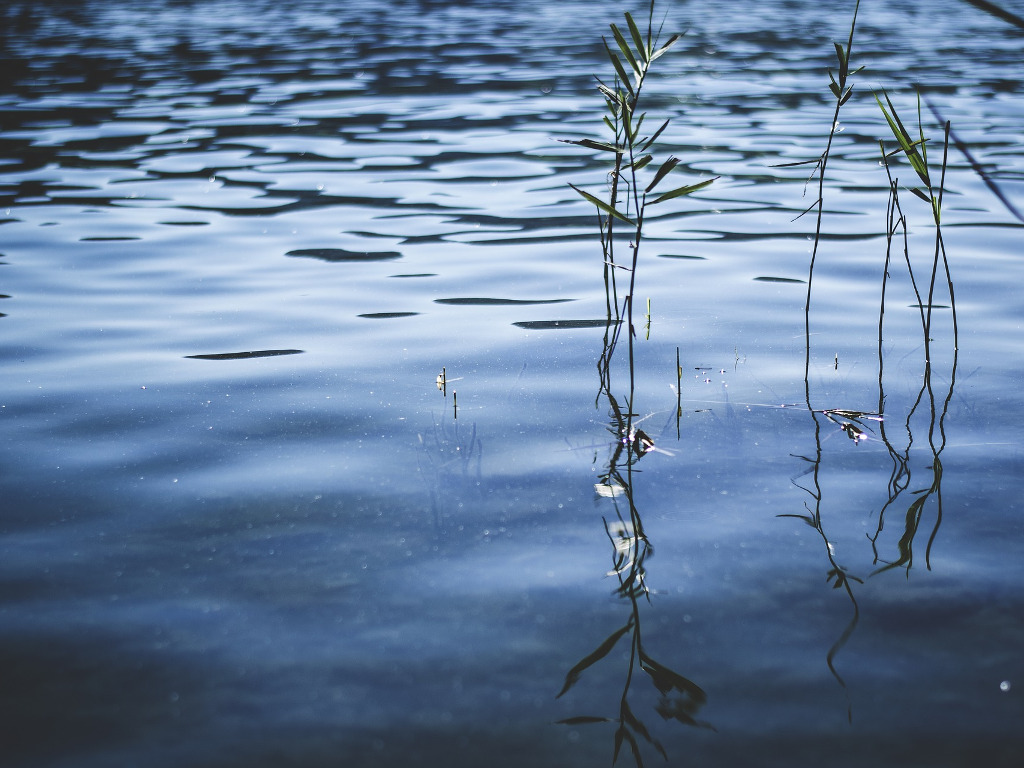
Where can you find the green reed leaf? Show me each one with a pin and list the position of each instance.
(624, 47)
(627, 125)
(613, 96)
(602, 650)
(636, 128)
(680, 191)
(920, 131)
(647, 142)
(834, 86)
(619, 70)
(921, 193)
(601, 204)
(664, 49)
(603, 146)
(849, 42)
(638, 39)
(844, 62)
(667, 166)
(794, 164)
(641, 162)
(907, 144)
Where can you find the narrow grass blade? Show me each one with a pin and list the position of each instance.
(638, 39)
(610, 94)
(591, 144)
(641, 162)
(841, 55)
(664, 49)
(647, 142)
(624, 47)
(619, 69)
(601, 204)
(667, 166)
(902, 136)
(834, 86)
(636, 128)
(793, 165)
(679, 192)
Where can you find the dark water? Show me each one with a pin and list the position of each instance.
(240, 523)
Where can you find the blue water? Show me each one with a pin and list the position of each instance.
(242, 526)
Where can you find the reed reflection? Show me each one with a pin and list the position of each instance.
(678, 698)
(928, 393)
(910, 498)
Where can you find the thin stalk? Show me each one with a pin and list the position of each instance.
(842, 94)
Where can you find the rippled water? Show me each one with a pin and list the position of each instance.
(241, 525)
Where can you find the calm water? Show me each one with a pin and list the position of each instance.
(316, 557)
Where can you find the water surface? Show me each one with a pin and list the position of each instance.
(241, 523)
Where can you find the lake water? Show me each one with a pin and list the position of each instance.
(211, 555)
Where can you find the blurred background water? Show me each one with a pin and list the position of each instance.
(239, 523)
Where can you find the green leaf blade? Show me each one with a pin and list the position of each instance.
(844, 62)
(641, 162)
(602, 146)
(626, 52)
(664, 49)
(648, 142)
(638, 39)
(663, 171)
(619, 70)
(680, 191)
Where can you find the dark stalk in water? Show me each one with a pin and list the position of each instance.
(855, 422)
(631, 189)
(916, 153)
(842, 91)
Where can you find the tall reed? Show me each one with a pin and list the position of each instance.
(634, 184)
(913, 149)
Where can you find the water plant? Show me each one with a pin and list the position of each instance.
(633, 183)
(856, 422)
(633, 180)
(916, 153)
